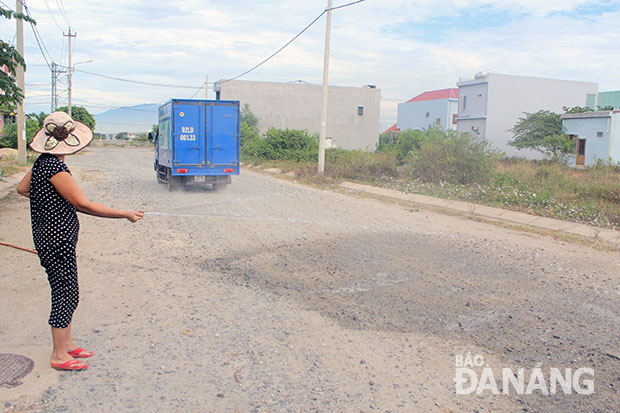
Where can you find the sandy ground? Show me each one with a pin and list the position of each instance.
(272, 296)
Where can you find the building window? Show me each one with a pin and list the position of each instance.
(599, 134)
(360, 110)
(454, 119)
(427, 114)
(464, 102)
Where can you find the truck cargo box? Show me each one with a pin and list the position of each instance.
(197, 142)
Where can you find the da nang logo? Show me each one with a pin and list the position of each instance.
(474, 376)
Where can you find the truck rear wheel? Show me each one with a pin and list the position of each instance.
(170, 180)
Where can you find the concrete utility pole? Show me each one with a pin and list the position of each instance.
(21, 115)
(69, 69)
(325, 90)
(207, 87)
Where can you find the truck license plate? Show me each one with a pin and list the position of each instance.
(199, 179)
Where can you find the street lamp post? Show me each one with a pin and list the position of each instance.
(70, 71)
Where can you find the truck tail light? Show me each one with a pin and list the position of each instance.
(182, 170)
(228, 170)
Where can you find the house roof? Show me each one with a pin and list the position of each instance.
(598, 114)
(393, 128)
(451, 93)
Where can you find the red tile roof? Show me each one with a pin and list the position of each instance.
(393, 128)
(451, 93)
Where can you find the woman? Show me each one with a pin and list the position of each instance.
(54, 199)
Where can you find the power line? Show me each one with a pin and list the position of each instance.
(136, 81)
(201, 87)
(52, 14)
(63, 12)
(292, 40)
(38, 38)
(278, 51)
(345, 5)
(98, 105)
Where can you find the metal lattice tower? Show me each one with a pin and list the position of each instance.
(56, 72)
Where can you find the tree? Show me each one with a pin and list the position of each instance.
(249, 117)
(9, 133)
(249, 125)
(80, 113)
(39, 118)
(577, 109)
(9, 56)
(543, 132)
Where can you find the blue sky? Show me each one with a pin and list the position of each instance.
(405, 47)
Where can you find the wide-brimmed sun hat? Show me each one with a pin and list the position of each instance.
(61, 135)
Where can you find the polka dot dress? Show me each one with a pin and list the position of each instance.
(55, 228)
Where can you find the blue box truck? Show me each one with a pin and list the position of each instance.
(197, 142)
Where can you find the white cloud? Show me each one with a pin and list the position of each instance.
(404, 47)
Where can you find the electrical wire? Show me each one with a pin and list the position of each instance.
(345, 5)
(38, 38)
(63, 12)
(292, 40)
(52, 14)
(136, 81)
(98, 105)
(201, 87)
(278, 51)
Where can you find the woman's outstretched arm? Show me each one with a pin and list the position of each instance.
(23, 188)
(68, 188)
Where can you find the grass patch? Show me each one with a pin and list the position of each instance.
(10, 166)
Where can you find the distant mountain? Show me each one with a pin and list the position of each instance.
(138, 118)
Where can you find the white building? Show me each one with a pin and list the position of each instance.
(352, 113)
(436, 107)
(596, 135)
(491, 104)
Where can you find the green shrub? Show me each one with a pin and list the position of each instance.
(284, 144)
(453, 157)
(408, 141)
(8, 138)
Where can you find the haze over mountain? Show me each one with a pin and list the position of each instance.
(138, 118)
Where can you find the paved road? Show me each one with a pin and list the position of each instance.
(274, 296)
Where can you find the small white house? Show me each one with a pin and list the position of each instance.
(596, 134)
(432, 108)
(491, 104)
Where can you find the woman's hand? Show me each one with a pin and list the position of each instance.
(134, 216)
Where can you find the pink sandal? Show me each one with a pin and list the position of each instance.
(69, 365)
(77, 353)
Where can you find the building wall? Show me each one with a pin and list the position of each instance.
(413, 115)
(597, 147)
(298, 106)
(614, 138)
(500, 100)
(609, 99)
(472, 108)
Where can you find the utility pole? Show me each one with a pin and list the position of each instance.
(69, 69)
(21, 115)
(206, 87)
(323, 135)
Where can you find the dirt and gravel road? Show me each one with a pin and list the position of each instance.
(273, 296)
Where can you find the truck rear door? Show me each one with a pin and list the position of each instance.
(189, 134)
(223, 127)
